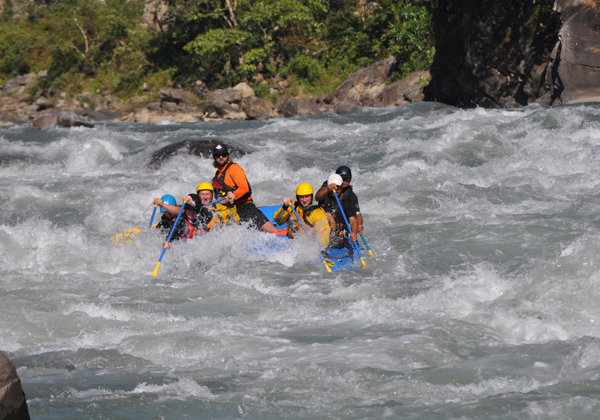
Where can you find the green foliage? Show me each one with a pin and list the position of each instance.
(316, 44)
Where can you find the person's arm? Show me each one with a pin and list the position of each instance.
(354, 225)
(324, 190)
(237, 176)
(168, 207)
(360, 223)
(283, 214)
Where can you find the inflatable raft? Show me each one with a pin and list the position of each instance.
(337, 259)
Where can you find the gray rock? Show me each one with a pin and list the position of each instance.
(200, 147)
(44, 121)
(13, 405)
(43, 103)
(366, 84)
(154, 106)
(71, 119)
(230, 96)
(169, 106)
(404, 91)
(176, 96)
(11, 86)
(259, 109)
(294, 106)
(345, 107)
(222, 109)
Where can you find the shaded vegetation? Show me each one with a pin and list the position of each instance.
(313, 44)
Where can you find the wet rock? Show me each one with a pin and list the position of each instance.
(346, 107)
(259, 109)
(404, 91)
(71, 119)
(44, 121)
(294, 106)
(12, 398)
(366, 84)
(200, 147)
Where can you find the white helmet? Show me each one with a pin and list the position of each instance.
(335, 179)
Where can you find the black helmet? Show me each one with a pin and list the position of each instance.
(344, 172)
(220, 149)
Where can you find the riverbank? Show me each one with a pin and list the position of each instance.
(371, 86)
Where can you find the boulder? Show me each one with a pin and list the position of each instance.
(294, 106)
(244, 89)
(230, 96)
(71, 119)
(365, 85)
(200, 147)
(15, 84)
(12, 398)
(259, 109)
(404, 91)
(177, 96)
(43, 103)
(222, 109)
(44, 121)
(346, 107)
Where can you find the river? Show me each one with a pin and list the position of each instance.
(482, 301)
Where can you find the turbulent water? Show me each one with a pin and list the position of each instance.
(482, 300)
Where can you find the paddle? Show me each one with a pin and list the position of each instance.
(155, 272)
(349, 229)
(304, 227)
(367, 245)
(152, 217)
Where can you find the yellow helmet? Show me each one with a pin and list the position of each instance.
(304, 189)
(204, 186)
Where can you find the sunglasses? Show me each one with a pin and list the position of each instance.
(347, 179)
(220, 155)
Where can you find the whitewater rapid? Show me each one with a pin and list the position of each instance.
(482, 301)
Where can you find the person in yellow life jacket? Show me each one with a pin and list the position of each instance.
(224, 212)
(312, 215)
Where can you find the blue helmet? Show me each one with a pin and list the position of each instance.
(168, 199)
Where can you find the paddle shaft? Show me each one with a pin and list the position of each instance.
(367, 245)
(173, 230)
(349, 229)
(152, 217)
(305, 230)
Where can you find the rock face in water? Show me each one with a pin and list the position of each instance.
(509, 54)
(12, 397)
(201, 147)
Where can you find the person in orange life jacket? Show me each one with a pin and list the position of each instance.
(223, 212)
(340, 183)
(167, 219)
(313, 216)
(231, 177)
(192, 222)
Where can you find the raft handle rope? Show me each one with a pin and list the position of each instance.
(349, 230)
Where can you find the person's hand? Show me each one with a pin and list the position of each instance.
(230, 197)
(157, 202)
(360, 229)
(332, 187)
(186, 199)
(287, 201)
(166, 244)
(354, 237)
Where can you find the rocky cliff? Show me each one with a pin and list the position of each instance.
(509, 53)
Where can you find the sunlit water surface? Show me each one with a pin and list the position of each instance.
(482, 301)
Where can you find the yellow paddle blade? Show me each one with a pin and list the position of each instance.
(327, 262)
(363, 262)
(155, 272)
(371, 253)
(125, 237)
